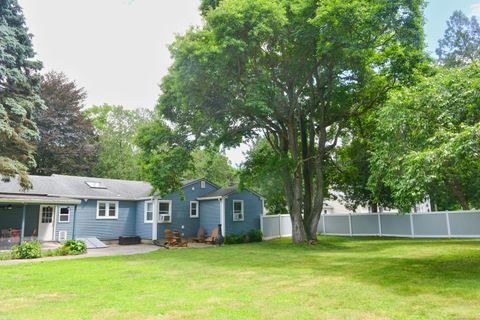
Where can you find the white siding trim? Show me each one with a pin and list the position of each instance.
(107, 210)
(169, 210)
(242, 212)
(145, 211)
(198, 209)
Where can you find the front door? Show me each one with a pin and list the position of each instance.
(46, 223)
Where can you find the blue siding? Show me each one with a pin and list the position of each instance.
(252, 211)
(181, 210)
(209, 214)
(87, 225)
(64, 226)
(142, 229)
(13, 218)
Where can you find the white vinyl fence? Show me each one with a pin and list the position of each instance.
(449, 224)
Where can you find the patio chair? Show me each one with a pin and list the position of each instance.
(211, 239)
(200, 238)
(169, 239)
(5, 233)
(178, 239)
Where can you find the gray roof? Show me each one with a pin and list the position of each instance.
(76, 187)
(35, 199)
(221, 192)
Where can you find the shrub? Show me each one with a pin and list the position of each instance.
(74, 247)
(27, 250)
(255, 235)
(235, 239)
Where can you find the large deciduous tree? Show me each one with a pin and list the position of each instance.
(295, 72)
(428, 140)
(19, 98)
(67, 143)
(213, 166)
(117, 128)
(460, 44)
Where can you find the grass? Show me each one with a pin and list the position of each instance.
(341, 278)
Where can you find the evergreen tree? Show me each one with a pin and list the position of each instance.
(19, 98)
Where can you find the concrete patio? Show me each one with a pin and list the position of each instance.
(112, 250)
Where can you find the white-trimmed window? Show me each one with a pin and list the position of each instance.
(194, 209)
(238, 210)
(202, 184)
(164, 211)
(107, 209)
(148, 217)
(64, 215)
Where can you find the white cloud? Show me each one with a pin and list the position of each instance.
(475, 9)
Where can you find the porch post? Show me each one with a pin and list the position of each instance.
(24, 213)
(155, 218)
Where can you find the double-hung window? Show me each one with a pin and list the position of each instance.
(238, 210)
(164, 211)
(148, 218)
(194, 209)
(64, 215)
(107, 210)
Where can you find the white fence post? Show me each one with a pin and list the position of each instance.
(323, 222)
(379, 224)
(447, 216)
(261, 223)
(280, 225)
(412, 229)
(350, 224)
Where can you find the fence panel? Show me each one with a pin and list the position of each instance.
(396, 225)
(365, 225)
(336, 224)
(430, 225)
(463, 224)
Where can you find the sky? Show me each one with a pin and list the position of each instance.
(118, 49)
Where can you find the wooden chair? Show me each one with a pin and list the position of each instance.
(169, 239)
(5, 233)
(200, 236)
(178, 239)
(211, 238)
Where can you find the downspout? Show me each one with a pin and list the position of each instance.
(24, 213)
(222, 215)
(74, 221)
(155, 218)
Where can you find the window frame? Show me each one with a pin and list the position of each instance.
(169, 210)
(197, 209)
(202, 184)
(145, 220)
(60, 215)
(107, 210)
(242, 211)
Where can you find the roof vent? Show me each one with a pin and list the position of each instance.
(95, 185)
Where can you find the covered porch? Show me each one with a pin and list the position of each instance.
(26, 217)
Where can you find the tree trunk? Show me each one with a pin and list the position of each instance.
(457, 191)
(294, 204)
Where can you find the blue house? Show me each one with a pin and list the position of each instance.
(62, 207)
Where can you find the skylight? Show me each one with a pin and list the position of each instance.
(95, 185)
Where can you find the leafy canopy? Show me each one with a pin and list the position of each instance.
(428, 139)
(117, 128)
(460, 44)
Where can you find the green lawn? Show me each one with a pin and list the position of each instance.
(341, 278)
